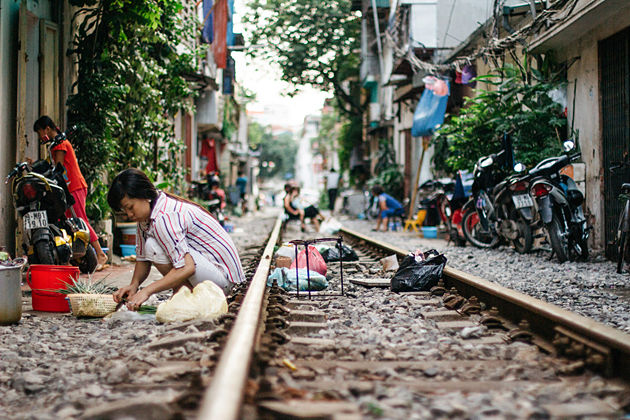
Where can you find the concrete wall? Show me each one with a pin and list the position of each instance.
(8, 53)
(583, 76)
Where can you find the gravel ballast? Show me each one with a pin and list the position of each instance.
(592, 289)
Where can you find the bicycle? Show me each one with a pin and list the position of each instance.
(622, 240)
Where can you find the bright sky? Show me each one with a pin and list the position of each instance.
(272, 106)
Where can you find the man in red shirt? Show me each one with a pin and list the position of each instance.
(64, 153)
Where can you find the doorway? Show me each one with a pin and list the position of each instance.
(614, 61)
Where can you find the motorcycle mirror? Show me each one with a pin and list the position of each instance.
(486, 162)
(519, 167)
(568, 145)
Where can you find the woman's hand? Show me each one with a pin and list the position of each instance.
(124, 292)
(137, 299)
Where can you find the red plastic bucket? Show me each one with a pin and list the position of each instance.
(43, 278)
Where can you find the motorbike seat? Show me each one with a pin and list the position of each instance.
(549, 166)
(625, 187)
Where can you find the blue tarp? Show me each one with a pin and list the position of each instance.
(429, 114)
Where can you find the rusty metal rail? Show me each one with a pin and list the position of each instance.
(554, 324)
(223, 398)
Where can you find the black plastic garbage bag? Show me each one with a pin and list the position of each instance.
(332, 254)
(414, 276)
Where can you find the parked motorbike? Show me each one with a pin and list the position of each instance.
(214, 207)
(500, 208)
(41, 197)
(559, 203)
(446, 198)
(622, 240)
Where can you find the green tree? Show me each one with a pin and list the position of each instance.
(280, 150)
(132, 56)
(524, 110)
(313, 42)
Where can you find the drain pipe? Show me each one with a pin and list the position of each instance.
(379, 47)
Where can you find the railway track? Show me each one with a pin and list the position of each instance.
(375, 353)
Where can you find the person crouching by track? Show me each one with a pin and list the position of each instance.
(388, 207)
(184, 242)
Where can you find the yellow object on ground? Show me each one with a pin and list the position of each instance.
(417, 222)
(289, 364)
(206, 301)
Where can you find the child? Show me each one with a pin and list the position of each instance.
(64, 153)
(184, 242)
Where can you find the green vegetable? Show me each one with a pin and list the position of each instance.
(147, 309)
(87, 286)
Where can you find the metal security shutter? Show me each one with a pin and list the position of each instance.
(614, 55)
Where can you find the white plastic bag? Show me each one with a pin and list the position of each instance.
(286, 250)
(330, 226)
(206, 301)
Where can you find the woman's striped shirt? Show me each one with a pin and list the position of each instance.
(179, 226)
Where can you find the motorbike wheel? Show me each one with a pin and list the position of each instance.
(44, 252)
(89, 261)
(622, 244)
(559, 241)
(523, 243)
(475, 233)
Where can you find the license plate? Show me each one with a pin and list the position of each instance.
(522, 200)
(35, 220)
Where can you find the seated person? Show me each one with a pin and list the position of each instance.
(310, 212)
(180, 238)
(294, 210)
(216, 191)
(291, 205)
(388, 207)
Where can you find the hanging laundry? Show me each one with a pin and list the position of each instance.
(429, 113)
(468, 73)
(209, 151)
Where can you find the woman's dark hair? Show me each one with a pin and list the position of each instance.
(43, 122)
(132, 183)
(377, 190)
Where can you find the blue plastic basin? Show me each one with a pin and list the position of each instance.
(128, 250)
(429, 231)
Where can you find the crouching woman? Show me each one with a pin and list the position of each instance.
(184, 242)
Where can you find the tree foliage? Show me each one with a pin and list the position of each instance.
(313, 42)
(279, 149)
(132, 57)
(525, 110)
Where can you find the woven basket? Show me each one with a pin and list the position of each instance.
(82, 304)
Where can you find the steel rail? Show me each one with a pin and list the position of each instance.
(543, 317)
(224, 397)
